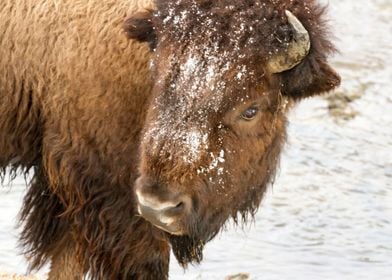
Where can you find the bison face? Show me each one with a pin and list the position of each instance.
(208, 156)
(224, 76)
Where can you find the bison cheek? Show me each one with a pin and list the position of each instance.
(251, 169)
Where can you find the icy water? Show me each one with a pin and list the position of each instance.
(329, 214)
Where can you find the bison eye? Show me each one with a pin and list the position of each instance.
(250, 113)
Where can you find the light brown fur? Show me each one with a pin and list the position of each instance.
(69, 81)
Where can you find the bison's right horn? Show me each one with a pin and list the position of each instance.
(295, 52)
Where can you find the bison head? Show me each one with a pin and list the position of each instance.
(225, 73)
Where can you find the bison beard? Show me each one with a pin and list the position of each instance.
(186, 249)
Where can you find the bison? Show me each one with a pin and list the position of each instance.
(148, 142)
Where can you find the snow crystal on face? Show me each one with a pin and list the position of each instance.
(214, 164)
(221, 157)
(242, 72)
(210, 74)
(189, 66)
(194, 141)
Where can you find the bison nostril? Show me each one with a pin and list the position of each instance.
(180, 205)
(176, 210)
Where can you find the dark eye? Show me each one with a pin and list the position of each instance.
(250, 113)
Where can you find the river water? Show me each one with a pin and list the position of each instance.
(329, 213)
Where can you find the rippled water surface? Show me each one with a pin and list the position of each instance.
(329, 214)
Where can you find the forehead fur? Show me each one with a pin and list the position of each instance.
(256, 28)
(210, 54)
(213, 52)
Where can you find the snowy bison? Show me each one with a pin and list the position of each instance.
(148, 125)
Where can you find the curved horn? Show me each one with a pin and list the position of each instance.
(296, 51)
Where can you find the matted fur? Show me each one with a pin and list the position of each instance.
(74, 95)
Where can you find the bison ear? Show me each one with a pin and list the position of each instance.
(313, 76)
(139, 26)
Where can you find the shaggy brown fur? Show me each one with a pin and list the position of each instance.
(74, 95)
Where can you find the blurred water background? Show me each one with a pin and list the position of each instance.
(329, 213)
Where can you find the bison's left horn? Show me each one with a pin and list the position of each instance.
(295, 52)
